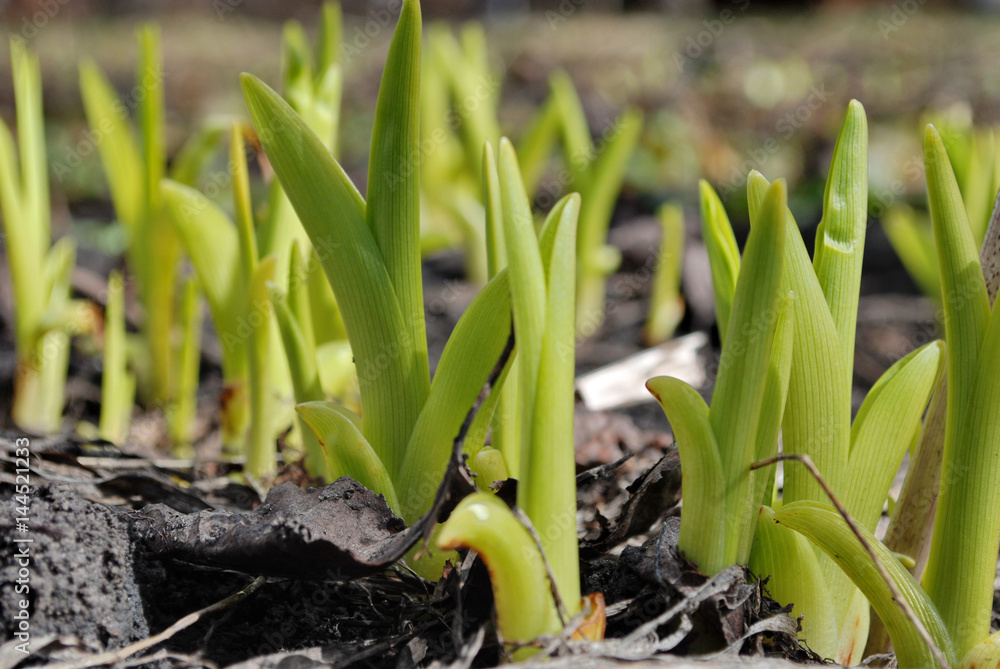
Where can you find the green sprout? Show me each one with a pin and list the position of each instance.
(596, 171)
(225, 257)
(402, 441)
(814, 410)
(117, 382)
(45, 315)
(134, 161)
(718, 445)
(236, 283)
(952, 610)
(666, 306)
(542, 275)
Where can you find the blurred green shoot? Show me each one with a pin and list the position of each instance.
(45, 316)
(597, 171)
(974, 153)
(134, 161)
(117, 382)
(666, 306)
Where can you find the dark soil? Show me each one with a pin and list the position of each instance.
(84, 580)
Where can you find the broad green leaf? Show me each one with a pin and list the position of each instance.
(772, 408)
(522, 595)
(779, 550)
(840, 238)
(468, 358)
(954, 578)
(118, 149)
(547, 486)
(966, 305)
(817, 418)
(962, 563)
(393, 387)
(886, 424)
(347, 451)
(393, 211)
(822, 525)
(739, 387)
(703, 524)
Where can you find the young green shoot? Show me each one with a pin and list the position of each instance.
(44, 315)
(371, 258)
(955, 603)
(597, 171)
(117, 382)
(666, 306)
(542, 277)
(134, 160)
(718, 445)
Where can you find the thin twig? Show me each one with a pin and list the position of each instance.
(113, 657)
(897, 594)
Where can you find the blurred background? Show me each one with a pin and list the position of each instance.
(725, 87)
